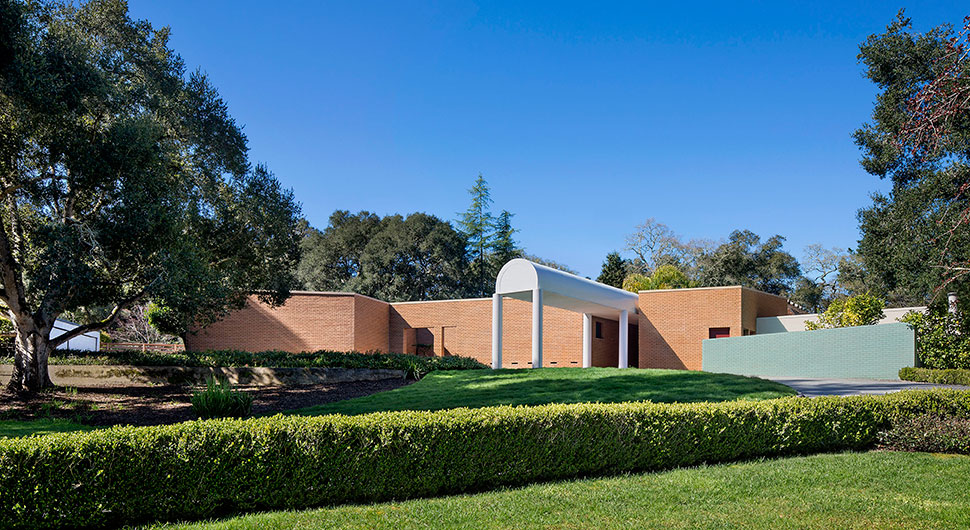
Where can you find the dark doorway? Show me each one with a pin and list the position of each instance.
(719, 333)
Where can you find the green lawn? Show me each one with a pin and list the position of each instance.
(15, 428)
(483, 388)
(849, 490)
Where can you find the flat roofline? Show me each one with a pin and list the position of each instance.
(919, 308)
(743, 288)
(445, 300)
(331, 293)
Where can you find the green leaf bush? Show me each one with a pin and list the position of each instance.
(931, 375)
(929, 433)
(272, 358)
(129, 475)
(859, 310)
(219, 400)
(942, 340)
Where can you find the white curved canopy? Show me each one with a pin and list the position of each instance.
(519, 277)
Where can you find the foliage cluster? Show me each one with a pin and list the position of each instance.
(912, 235)
(219, 400)
(949, 376)
(272, 358)
(663, 277)
(197, 469)
(614, 270)
(942, 340)
(393, 258)
(662, 260)
(859, 310)
(929, 433)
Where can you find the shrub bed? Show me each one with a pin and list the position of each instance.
(930, 375)
(272, 359)
(929, 433)
(199, 469)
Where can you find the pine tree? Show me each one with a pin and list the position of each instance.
(477, 226)
(614, 270)
(503, 247)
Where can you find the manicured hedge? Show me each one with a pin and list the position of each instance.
(930, 375)
(199, 469)
(929, 433)
(274, 359)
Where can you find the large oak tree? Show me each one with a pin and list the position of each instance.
(122, 178)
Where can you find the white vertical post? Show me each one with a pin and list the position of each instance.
(587, 340)
(537, 328)
(496, 331)
(624, 353)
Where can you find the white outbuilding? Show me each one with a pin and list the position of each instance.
(525, 280)
(90, 341)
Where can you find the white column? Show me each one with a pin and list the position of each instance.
(587, 340)
(496, 331)
(624, 353)
(537, 328)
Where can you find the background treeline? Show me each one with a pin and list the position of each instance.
(413, 257)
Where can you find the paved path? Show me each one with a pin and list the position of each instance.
(852, 387)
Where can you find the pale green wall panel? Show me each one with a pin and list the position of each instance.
(871, 352)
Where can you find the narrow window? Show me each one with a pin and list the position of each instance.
(718, 333)
(599, 330)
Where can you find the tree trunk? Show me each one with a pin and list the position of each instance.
(31, 351)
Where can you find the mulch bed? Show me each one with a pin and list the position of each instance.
(169, 404)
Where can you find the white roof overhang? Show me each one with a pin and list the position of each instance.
(560, 289)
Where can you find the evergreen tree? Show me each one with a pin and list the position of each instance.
(503, 247)
(477, 224)
(614, 270)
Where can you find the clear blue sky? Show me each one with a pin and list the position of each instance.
(585, 118)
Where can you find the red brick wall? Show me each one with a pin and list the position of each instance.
(674, 322)
(605, 350)
(347, 321)
(468, 332)
(756, 304)
(306, 322)
(370, 324)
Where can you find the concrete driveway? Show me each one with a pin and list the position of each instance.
(813, 387)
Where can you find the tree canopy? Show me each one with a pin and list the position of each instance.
(614, 270)
(333, 259)
(914, 238)
(747, 261)
(478, 226)
(504, 246)
(123, 178)
(394, 258)
(663, 277)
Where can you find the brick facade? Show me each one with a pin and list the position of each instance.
(307, 321)
(673, 322)
(667, 333)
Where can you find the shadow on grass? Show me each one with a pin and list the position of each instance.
(17, 428)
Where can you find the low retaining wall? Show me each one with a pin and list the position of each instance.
(108, 375)
(866, 352)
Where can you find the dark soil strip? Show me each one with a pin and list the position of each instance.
(170, 404)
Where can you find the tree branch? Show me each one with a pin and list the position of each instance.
(101, 324)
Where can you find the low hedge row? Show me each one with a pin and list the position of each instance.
(273, 358)
(200, 469)
(930, 375)
(929, 433)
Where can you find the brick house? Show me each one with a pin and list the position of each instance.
(664, 327)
